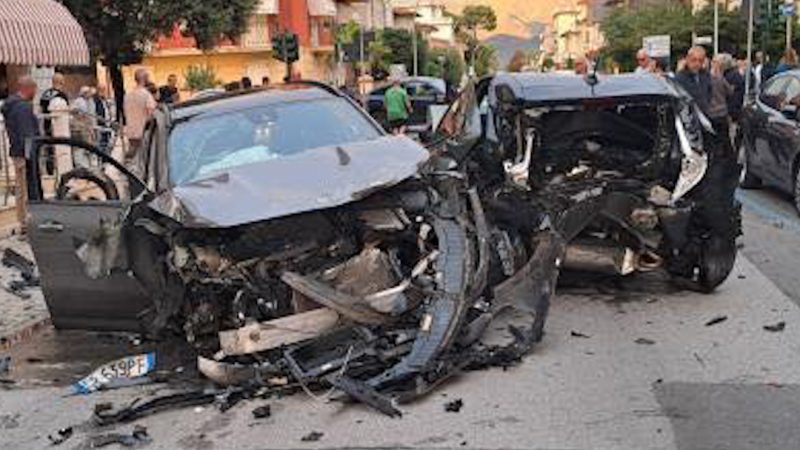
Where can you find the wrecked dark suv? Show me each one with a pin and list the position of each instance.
(289, 238)
(625, 168)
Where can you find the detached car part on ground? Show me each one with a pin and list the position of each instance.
(338, 256)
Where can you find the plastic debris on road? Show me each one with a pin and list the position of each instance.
(124, 368)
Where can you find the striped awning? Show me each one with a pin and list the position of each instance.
(324, 8)
(40, 32)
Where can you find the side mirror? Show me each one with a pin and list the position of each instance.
(789, 111)
(426, 136)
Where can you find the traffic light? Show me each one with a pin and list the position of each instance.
(278, 49)
(286, 47)
(292, 48)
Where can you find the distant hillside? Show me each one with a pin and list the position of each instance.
(507, 44)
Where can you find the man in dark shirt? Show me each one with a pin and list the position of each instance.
(52, 99)
(21, 125)
(695, 78)
(736, 80)
(169, 93)
(102, 109)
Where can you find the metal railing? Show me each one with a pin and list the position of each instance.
(5, 160)
(93, 129)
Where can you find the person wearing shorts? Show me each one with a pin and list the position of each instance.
(398, 107)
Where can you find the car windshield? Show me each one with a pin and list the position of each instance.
(205, 146)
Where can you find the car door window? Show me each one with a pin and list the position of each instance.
(82, 173)
(773, 94)
(463, 117)
(426, 90)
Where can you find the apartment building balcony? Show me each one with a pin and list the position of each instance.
(322, 21)
(258, 38)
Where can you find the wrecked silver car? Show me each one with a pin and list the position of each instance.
(289, 238)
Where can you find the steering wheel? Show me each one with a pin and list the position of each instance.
(93, 180)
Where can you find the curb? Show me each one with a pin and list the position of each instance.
(22, 335)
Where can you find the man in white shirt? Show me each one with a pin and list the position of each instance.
(758, 71)
(642, 62)
(139, 106)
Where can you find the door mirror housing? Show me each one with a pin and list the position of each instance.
(789, 111)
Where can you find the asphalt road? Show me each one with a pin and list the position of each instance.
(626, 370)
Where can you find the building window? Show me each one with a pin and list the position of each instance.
(258, 32)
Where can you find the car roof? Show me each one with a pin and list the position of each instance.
(251, 98)
(553, 88)
(438, 83)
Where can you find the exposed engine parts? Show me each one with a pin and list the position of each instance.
(385, 296)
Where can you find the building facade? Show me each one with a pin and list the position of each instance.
(574, 31)
(429, 17)
(314, 21)
(251, 55)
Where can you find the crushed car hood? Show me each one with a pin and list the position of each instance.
(313, 179)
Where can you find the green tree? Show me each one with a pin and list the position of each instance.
(732, 29)
(119, 31)
(447, 64)
(379, 56)
(347, 33)
(401, 49)
(624, 30)
(485, 60)
(200, 77)
(473, 19)
(518, 61)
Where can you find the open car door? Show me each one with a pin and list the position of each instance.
(69, 210)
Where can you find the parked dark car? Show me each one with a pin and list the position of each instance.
(769, 141)
(423, 91)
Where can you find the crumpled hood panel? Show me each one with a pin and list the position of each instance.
(314, 179)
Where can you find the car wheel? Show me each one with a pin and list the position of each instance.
(716, 262)
(746, 178)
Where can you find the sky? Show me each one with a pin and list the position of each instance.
(507, 10)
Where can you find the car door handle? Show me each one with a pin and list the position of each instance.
(51, 226)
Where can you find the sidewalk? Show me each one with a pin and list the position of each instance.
(19, 317)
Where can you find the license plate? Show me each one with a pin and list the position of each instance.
(127, 367)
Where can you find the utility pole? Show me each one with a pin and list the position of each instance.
(716, 27)
(361, 49)
(789, 12)
(749, 73)
(414, 43)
